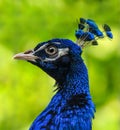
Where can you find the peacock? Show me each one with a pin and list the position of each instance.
(71, 108)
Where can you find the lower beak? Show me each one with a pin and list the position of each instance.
(28, 55)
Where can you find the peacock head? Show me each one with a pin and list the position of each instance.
(53, 56)
(56, 56)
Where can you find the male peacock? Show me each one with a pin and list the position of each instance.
(71, 108)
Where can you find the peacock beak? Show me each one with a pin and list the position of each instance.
(28, 55)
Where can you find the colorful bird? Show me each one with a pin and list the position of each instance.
(72, 107)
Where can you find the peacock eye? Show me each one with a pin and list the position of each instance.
(51, 50)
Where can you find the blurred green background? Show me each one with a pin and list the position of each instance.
(26, 90)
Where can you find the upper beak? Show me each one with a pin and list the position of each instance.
(28, 55)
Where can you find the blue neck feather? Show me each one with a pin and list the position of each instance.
(72, 107)
(76, 81)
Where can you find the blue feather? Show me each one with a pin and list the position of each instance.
(71, 108)
(79, 33)
(107, 30)
(92, 24)
(109, 34)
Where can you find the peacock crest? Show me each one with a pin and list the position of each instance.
(88, 32)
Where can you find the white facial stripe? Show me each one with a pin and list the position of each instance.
(57, 43)
(42, 47)
(61, 52)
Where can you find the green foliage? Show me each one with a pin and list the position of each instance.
(24, 89)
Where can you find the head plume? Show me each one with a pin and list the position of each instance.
(88, 32)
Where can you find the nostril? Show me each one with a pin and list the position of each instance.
(28, 52)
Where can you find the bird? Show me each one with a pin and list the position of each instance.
(71, 108)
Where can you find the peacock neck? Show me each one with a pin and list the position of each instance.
(76, 81)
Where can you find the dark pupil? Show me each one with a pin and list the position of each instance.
(51, 50)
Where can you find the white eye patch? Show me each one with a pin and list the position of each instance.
(44, 46)
(61, 52)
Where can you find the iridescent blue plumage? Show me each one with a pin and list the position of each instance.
(96, 32)
(88, 36)
(109, 34)
(107, 30)
(92, 24)
(79, 33)
(71, 108)
(88, 30)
